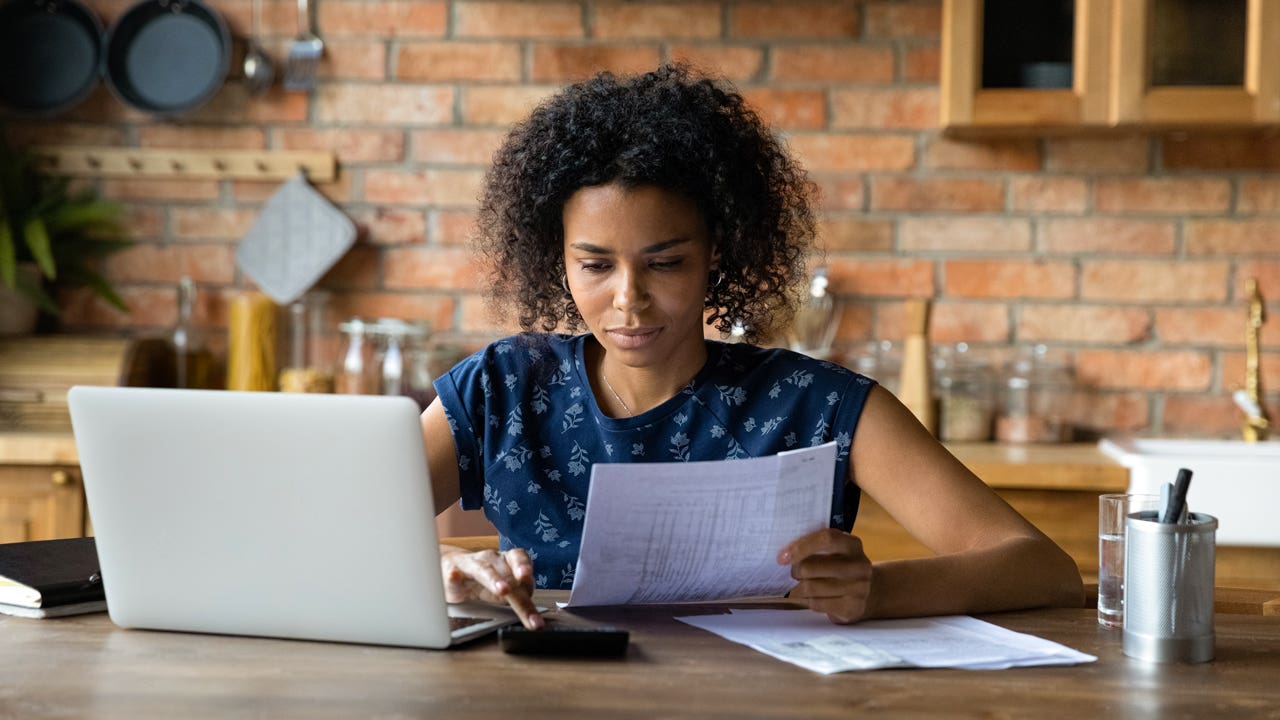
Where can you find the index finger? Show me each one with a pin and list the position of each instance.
(520, 596)
(826, 540)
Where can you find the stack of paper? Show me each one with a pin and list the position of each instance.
(808, 639)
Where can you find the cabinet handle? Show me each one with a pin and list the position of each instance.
(61, 478)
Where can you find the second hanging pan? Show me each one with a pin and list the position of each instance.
(168, 56)
(50, 55)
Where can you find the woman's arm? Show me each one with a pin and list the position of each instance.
(486, 575)
(988, 558)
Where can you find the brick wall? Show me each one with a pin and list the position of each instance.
(1129, 251)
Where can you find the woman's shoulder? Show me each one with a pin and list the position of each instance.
(524, 352)
(776, 362)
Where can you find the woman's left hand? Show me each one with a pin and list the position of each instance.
(833, 574)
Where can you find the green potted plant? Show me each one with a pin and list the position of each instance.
(51, 236)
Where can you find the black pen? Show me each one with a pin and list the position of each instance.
(1177, 498)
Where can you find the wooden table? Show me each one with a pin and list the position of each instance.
(85, 667)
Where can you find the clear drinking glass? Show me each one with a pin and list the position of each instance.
(1112, 510)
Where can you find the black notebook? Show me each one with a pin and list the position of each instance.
(48, 578)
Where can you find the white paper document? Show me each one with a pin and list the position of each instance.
(810, 640)
(698, 531)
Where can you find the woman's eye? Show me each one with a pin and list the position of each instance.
(594, 267)
(666, 264)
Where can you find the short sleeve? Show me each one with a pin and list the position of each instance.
(462, 394)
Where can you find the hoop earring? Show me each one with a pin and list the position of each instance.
(719, 279)
(564, 283)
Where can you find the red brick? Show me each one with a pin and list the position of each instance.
(1109, 235)
(502, 105)
(257, 192)
(385, 104)
(964, 233)
(1267, 275)
(103, 107)
(917, 194)
(735, 62)
(383, 19)
(234, 105)
(1207, 326)
(669, 20)
(456, 146)
(833, 63)
(821, 152)
(127, 188)
(922, 64)
(434, 308)
(1234, 373)
(357, 269)
(1104, 412)
(189, 137)
(1047, 194)
(211, 223)
(1206, 416)
(1221, 151)
(392, 226)
(1009, 279)
(839, 192)
(789, 109)
(145, 262)
(1148, 281)
(800, 19)
(951, 154)
(1163, 195)
(432, 268)
(478, 316)
(952, 322)
(1259, 195)
(143, 222)
(856, 320)
(352, 60)
(451, 227)
(450, 61)
(1232, 237)
(109, 10)
(1155, 370)
(903, 20)
(896, 109)
(854, 234)
(427, 187)
(1083, 324)
(148, 307)
(885, 277)
(518, 19)
(350, 146)
(564, 63)
(1098, 155)
(22, 134)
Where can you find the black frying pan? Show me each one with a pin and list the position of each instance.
(50, 54)
(167, 56)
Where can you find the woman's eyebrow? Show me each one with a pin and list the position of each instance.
(601, 250)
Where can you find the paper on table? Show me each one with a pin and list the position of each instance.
(678, 532)
(809, 640)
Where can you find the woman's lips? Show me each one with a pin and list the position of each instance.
(632, 338)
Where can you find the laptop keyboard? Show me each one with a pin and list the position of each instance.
(458, 623)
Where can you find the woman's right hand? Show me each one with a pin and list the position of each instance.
(491, 576)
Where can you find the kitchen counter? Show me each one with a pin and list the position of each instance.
(35, 448)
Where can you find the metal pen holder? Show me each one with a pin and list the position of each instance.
(1168, 593)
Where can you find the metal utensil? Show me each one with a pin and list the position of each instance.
(304, 54)
(259, 70)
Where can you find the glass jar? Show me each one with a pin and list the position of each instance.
(398, 344)
(1035, 398)
(308, 365)
(964, 386)
(353, 376)
(879, 360)
(813, 329)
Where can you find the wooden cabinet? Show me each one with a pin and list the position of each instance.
(1109, 63)
(40, 502)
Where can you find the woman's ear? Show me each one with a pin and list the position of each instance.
(715, 258)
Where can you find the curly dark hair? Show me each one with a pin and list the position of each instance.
(669, 129)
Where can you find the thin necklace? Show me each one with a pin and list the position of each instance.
(616, 396)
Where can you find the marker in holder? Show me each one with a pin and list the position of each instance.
(1168, 602)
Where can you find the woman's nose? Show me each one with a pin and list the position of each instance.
(630, 293)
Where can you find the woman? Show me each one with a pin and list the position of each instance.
(645, 209)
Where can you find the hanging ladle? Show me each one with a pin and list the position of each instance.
(259, 70)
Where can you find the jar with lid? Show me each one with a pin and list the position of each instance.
(308, 363)
(393, 339)
(1035, 398)
(964, 387)
(353, 375)
(879, 360)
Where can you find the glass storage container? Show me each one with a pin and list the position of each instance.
(964, 387)
(1035, 398)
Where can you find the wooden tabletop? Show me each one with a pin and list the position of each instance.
(85, 667)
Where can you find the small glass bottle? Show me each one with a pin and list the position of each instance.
(353, 359)
(192, 361)
(813, 329)
(307, 367)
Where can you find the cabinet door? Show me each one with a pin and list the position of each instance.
(1196, 62)
(1012, 63)
(40, 502)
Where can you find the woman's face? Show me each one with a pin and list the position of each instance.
(637, 260)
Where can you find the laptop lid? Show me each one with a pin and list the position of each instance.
(272, 514)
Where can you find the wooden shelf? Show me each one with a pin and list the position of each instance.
(265, 165)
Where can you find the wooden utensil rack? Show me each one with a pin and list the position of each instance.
(318, 166)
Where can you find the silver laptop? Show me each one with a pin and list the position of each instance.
(269, 514)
